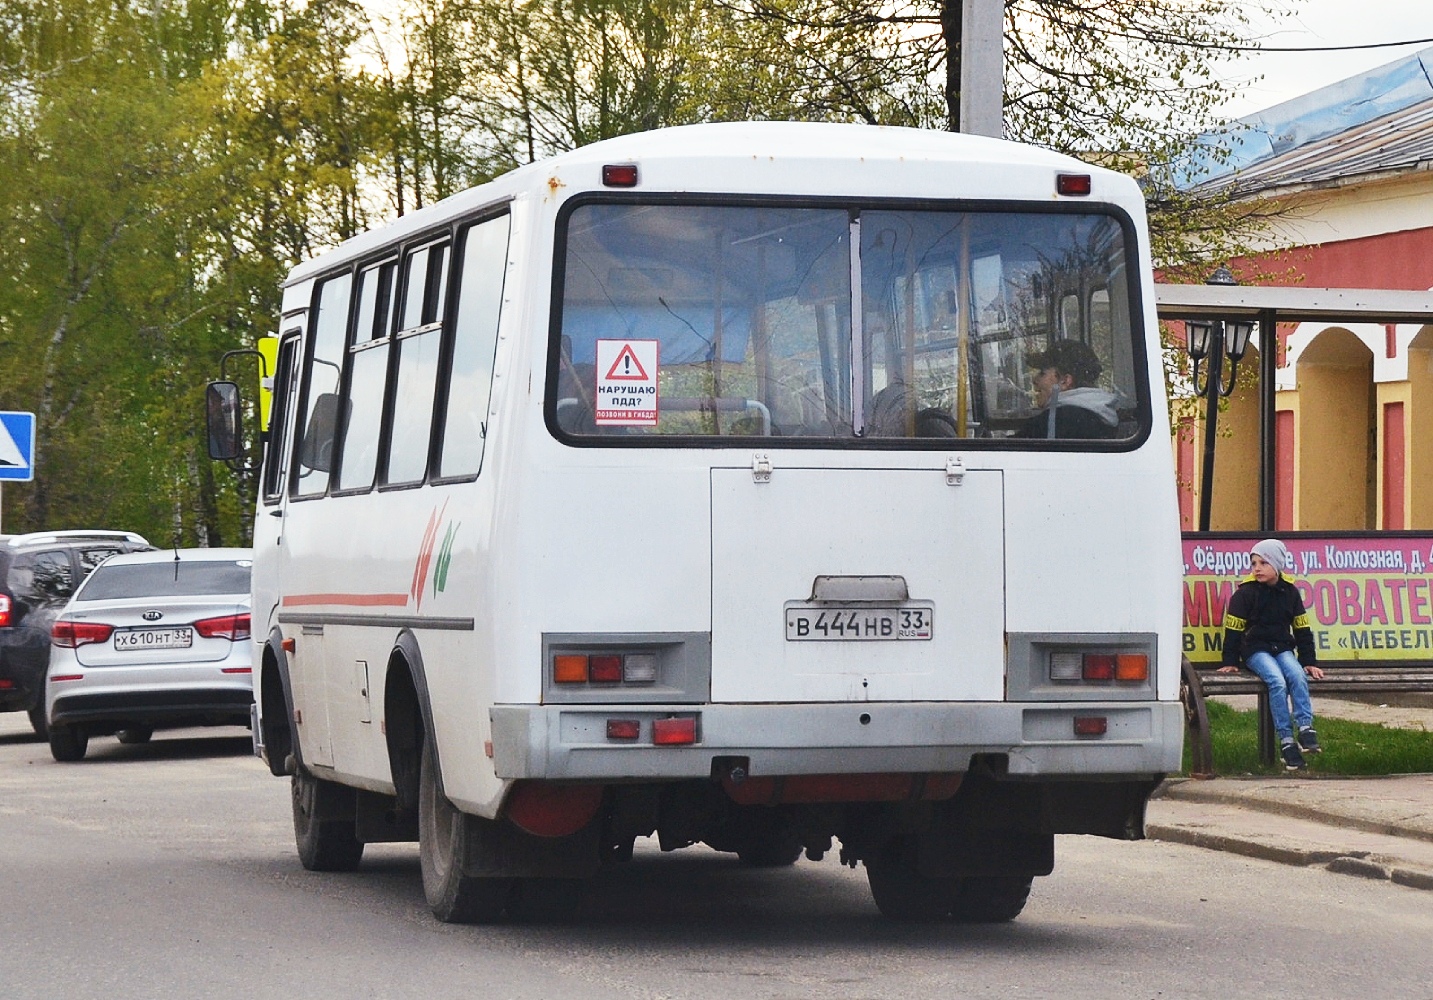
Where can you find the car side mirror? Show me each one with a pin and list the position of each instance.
(221, 407)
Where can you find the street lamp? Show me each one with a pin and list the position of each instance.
(1215, 340)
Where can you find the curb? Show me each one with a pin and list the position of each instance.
(1357, 863)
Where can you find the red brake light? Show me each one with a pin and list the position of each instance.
(619, 175)
(231, 627)
(1073, 184)
(1099, 666)
(4, 610)
(674, 732)
(606, 669)
(73, 635)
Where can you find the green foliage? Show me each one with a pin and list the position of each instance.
(1350, 748)
(166, 162)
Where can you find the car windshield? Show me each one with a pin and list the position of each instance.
(166, 579)
(725, 320)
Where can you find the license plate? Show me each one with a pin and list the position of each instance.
(858, 623)
(154, 638)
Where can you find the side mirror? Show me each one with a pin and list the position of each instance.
(317, 450)
(221, 405)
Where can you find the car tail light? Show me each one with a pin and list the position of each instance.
(1099, 667)
(73, 635)
(6, 684)
(604, 668)
(674, 732)
(4, 610)
(231, 627)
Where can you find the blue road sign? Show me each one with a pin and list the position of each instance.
(17, 446)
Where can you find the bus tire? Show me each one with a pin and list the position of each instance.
(546, 900)
(135, 734)
(446, 837)
(902, 893)
(991, 899)
(68, 743)
(324, 845)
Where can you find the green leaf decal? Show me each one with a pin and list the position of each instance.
(445, 556)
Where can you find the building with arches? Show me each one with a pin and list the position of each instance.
(1348, 167)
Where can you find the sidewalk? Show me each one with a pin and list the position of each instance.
(1379, 828)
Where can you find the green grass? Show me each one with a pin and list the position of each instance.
(1350, 748)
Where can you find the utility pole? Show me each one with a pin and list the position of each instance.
(982, 67)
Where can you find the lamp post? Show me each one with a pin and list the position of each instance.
(1216, 341)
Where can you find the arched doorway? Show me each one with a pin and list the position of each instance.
(1335, 462)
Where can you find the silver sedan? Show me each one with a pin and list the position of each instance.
(151, 640)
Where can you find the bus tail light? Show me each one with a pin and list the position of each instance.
(73, 635)
(604, 668)
(1131, 667)
(1099, 667)
(231, 627)
(547, 809)
(674, 732)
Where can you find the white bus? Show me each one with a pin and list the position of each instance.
(768, 486)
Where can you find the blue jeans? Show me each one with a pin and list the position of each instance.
(1286, 681)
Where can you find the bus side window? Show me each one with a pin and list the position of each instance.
(475, 336)
(325, 366)
(367, 377)
(425, 280)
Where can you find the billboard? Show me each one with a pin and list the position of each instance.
(1369, 597)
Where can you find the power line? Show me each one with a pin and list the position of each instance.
(1319, 48)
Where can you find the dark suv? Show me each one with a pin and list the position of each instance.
(38, 573)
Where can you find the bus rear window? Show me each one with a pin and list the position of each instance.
(762, 322)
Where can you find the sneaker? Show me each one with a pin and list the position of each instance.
(1293, 758)
(1309, 740)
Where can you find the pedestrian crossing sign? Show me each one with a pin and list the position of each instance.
(17, 446)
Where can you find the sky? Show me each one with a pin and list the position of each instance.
(1322, 23)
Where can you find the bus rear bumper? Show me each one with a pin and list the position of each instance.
(572, 742)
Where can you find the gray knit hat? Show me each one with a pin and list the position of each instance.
(1276, 554)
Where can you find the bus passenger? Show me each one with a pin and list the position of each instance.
(1070, 404)
(1263, 624)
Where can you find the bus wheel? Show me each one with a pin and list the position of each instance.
(325, 845)
(546, 900)
(445, 839)
(991, 899)
(902, 893)
(68, 743)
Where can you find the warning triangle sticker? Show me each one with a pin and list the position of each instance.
(631, 369)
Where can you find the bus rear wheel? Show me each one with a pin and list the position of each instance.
(991, 899)
(902, 893)
(324, 845)
(446, 838)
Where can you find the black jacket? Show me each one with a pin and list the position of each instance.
(1267, 618)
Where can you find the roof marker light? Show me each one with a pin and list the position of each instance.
(619, 175)
(1076, 185)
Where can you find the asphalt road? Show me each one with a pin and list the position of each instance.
(168, 870)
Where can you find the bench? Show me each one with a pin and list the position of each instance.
(1357, 678)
